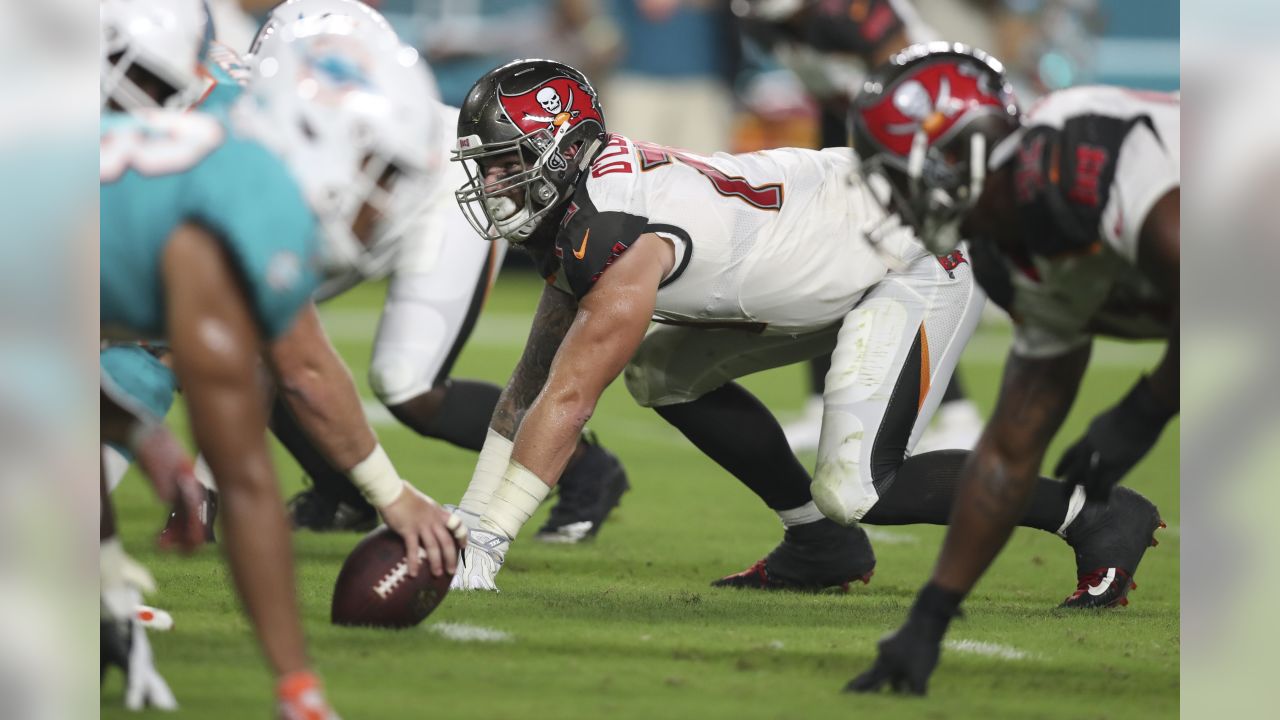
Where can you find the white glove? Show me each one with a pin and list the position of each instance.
(481, 561)
(143, 685)
(123, 581)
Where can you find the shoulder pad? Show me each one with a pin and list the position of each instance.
(1062, 181)
(590, 241)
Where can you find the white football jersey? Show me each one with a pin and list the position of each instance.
(1088, 167)
(769, 240)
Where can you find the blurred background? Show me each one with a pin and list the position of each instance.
(658, 63)
(752, 84)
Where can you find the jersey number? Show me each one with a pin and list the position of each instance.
(765, 197)
(164, 143)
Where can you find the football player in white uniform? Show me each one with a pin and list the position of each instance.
(440, 278)
(745, 262)
(1072, 214)
(830, 46)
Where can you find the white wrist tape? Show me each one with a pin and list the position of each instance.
(490, 466)
(515, 501)
(377, 478)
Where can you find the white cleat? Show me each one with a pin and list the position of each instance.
(480, 561)
(956, 426)
(804, 432)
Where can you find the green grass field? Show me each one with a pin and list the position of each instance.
(627, 627)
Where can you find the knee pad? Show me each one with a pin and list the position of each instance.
(841, 486)
(395, 379)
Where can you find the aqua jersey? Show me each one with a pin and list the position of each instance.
(165, 169)
(224, 73)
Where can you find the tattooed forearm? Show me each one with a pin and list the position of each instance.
(555, 314)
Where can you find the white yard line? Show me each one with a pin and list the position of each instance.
(462, 632)
(987, 649)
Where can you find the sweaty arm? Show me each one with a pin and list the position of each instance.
(610, 324)
(318, 388)
(996, 483)
(551, 321)
(215, 356)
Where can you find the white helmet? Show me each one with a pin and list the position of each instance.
(353, 116)
(164, 38)
(352, 17)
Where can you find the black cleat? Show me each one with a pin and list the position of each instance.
(589, 490)
(811, 557)
(314, 511)
(208, 514)
(1109, 541)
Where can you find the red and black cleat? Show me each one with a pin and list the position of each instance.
(1102, 588)
(1109, 541)
(811, 557)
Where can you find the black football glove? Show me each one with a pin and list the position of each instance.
(906, 660)
(908, 657)
(1115, 441)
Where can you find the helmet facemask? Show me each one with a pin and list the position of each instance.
(942, 190)
(395, 197)
(126, 81)
(539, 183)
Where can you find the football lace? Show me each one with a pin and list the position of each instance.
(395, 576)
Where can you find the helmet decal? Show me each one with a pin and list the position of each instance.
(551, 104)
(933, 99)
(340, 70)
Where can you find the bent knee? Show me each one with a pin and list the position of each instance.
(842, 484)
(396, 379)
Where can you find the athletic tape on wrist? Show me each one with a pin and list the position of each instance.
(377, 478)
(515, 500)
(495, 455)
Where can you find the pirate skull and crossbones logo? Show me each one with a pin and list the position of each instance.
(549, 99)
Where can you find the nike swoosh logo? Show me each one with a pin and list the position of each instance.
(581, 252)
(1106, 583)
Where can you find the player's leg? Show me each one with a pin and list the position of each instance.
(687, 375)
(921, 319)
(430, 312)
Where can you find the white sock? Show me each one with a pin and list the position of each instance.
(802, 515)
(495, 455)
(204, 474)
(114, 465)
(515, 500)
(1074, 506)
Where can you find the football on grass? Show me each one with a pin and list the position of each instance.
(374, 588)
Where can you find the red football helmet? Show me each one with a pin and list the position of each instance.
(926, 121)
